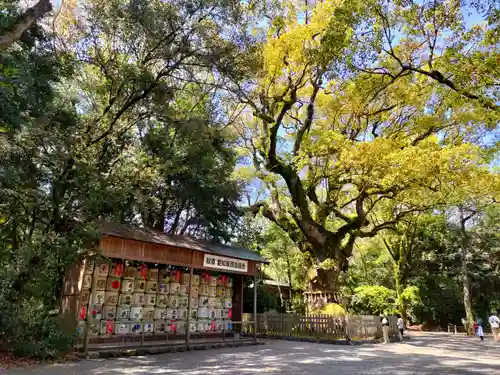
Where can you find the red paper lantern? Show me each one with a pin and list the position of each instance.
(220, 280)
(115, 284)
(173, 326)
(213, 327)
(109, 326)
(118, 269)
(230, 313)
(83, 312)
(176, 276)
(143, 271)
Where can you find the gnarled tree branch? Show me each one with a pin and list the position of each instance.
(24, 22)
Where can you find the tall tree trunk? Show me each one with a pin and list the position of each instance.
(467, 294)
(282, 303)
(160, 220)
(400, 286)
(289, 274)
(175, 224)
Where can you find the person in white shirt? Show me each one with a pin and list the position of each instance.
(385, 329)
(495, 325)
(401, 327)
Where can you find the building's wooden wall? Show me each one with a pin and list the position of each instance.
(115, 247)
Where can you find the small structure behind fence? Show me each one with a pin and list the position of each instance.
(319, 326)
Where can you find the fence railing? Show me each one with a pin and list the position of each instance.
(319, 326)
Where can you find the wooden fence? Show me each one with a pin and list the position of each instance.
(319, 326)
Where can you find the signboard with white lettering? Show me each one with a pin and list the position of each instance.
(223, 263)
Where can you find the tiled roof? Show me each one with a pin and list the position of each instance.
(133, 232)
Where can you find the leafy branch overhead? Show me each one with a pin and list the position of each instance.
(334, 139)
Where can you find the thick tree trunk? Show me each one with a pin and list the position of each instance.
(324, 288)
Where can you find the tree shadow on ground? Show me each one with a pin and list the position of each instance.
(283, 357)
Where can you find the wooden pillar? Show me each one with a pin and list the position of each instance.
(237, 301)
(188, 323)
(255, 307)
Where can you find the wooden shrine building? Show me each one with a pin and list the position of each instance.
(157, 289)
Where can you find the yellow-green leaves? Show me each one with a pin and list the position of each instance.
(301, 39)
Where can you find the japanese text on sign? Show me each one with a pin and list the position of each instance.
(223, 263)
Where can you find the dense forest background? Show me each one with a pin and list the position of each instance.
(352, 143)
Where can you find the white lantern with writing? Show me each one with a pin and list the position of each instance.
(196, 280)
(127, 286)
(160, 313)
(148, 313)
(87, 281)
(123, 313)
(183, 290)
(151, 286)
(123, 328)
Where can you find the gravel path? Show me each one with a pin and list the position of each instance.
(423, 354)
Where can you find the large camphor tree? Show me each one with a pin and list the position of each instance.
(335, 130)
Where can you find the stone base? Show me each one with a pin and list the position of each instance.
(163, 349)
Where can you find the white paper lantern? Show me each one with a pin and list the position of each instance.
(140, 286)
(148, 313)
(163, 287)
(123, 328)
(123, 313)
(136, 312)
(111, 298)
(137, 328)
(150, 299)
(125, 299)
(127, 286)
(102, 269)
(138, 299)
(160, 313)
(110, 312)
(161, 300)
(212, 291)
(173, 301)
(87, 281)
(151, 286)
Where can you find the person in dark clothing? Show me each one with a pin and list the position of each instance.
(480, 328)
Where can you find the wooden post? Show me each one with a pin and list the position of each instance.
(255, 307)
(87, 325)
(188, 324)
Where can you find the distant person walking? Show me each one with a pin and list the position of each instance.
(401, 327)
(385, 329)
(479, 329)
(495, 325)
